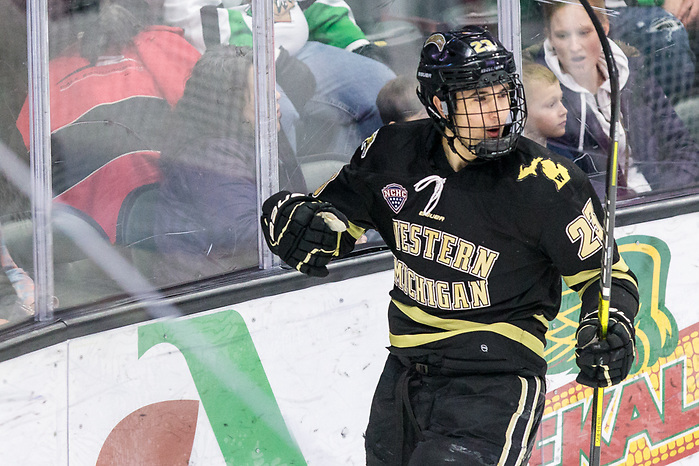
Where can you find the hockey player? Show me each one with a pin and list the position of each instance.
(483, 224)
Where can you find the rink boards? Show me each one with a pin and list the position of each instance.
(288, 379)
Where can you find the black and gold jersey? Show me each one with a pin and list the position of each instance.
(479, 253)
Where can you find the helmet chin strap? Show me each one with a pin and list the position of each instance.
(452, 146)
(442, 123)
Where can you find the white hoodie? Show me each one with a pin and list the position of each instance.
(601, 104)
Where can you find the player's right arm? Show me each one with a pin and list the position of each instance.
(304, 232)
(307, 232)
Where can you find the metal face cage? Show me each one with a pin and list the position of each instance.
(489, 118)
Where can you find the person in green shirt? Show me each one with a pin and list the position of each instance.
(328, 81)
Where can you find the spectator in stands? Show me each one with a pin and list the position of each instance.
(207, 220)
(110, 93)
(656, 30)
(655, 149)
(687, 11)
(663, 31)
(546, 114)
(328, 92)
(13, 81)
(397, 101)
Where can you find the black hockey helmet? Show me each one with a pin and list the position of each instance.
(465, 59)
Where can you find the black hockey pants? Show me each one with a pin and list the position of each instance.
(420, 416)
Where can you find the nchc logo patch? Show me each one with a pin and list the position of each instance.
(395, 196)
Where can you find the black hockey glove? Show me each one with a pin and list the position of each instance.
(605, 362)
(304, 232)
(295, 78)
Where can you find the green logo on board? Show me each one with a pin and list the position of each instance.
(232, 385)
(656, 330)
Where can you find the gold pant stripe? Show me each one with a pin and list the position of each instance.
(521, 406)
(530, 422)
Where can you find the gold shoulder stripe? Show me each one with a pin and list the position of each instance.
(455, 327)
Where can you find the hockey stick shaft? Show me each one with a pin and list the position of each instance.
(609, 223)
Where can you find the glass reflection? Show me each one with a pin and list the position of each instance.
(16, 288)
(657, 152)
(169, 182)
(206, 217)
(16, 283)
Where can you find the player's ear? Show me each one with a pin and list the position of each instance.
(440, 106)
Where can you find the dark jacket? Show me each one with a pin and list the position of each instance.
(206, 223)
(661, 146)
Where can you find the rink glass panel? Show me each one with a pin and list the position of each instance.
(658, 155)
(103, 246)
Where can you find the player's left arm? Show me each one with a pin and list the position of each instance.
(602, 362)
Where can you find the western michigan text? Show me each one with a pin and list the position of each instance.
(447, 250)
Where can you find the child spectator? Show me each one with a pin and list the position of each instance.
(546, 114)
(656, 152)
(397, 101)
